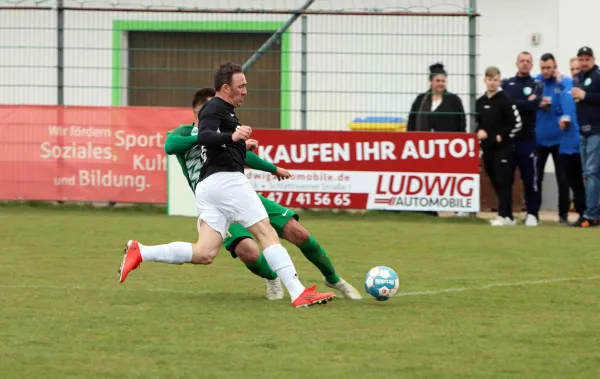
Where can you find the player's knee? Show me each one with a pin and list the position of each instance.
(203, 256)
(295, 233)
(264, 233)
(247, 251)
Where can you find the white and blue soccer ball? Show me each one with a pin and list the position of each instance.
(382, 283)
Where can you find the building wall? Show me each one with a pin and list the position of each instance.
(357, 66)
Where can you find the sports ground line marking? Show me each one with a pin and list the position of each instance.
(499, 285)
(416, 293)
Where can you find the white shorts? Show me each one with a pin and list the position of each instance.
(227, 198)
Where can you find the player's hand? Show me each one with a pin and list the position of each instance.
(578, 93)
(499, 138)
(532, 97)
(251, 144)
(482, 134)
(282, 174)
(241, 133)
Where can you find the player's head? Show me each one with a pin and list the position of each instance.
(437, 78)
(586, 59)
(547, 65)
(574, 67)
(230, 83)
(524, 63)
(200, 98)
(492, 79)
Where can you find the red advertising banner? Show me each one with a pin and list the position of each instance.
(85, 153)
(371, 170)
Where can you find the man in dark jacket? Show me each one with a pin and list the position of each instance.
(586, 93)
(526, 93)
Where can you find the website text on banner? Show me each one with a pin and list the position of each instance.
(85, 153)
(371, 170)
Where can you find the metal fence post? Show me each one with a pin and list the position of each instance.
(60, 52)
(304, 75)
(472, 61)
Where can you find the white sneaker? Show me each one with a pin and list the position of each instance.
(503, 221)
(274, 289)
(531, 220)
(345, 288)
(496, 220)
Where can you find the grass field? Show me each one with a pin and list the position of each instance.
(63, 314)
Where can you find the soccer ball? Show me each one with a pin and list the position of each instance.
(382, 283)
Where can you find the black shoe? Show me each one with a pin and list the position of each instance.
(585, 223)
(563, 221)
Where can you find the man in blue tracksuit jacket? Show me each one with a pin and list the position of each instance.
(526, 92)
(570, 158)
(586, 93)
(548, 132)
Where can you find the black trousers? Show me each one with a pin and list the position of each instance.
(562, 182)
(571, 166)
(498, 164)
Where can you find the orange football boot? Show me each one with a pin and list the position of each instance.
(311, 297)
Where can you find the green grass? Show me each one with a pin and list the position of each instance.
(63, 315)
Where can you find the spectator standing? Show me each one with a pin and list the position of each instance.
(437, 110)
(497, 122)
(548, 132)
(570, 141)
(586, 94)
(526, 93)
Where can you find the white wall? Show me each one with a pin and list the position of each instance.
(358, 66)
(28, 57)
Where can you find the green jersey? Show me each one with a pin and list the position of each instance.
(183, 143)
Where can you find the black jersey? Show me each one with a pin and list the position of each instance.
(498, 116)
(216, 124)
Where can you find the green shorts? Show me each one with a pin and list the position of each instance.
(278, 217)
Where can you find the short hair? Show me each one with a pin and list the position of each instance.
(201, 97)
(548, 56)
(574, 59)
(224, 74)
(492, 71)
(524, 52)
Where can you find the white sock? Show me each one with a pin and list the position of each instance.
(278, 258)
(174, 252)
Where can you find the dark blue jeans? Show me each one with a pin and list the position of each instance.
(590, 160)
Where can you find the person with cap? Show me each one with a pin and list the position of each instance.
(586, 94)
(526, 92)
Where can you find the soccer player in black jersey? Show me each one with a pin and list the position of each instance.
(224, 195)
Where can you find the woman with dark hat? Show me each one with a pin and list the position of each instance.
(437, 110)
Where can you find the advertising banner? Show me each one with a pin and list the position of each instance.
(85, 153)
(371, 170)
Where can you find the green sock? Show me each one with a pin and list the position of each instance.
(318, 256)
(261, 268)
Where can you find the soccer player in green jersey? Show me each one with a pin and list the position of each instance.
(181, 141)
